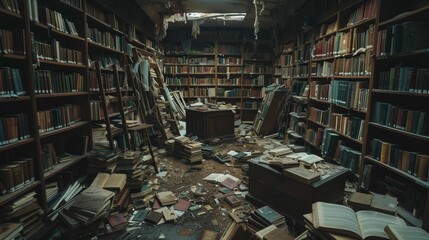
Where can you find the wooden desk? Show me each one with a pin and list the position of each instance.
(290, 197)
(212, 123)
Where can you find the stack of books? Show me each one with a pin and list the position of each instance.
(131, 163)
(179, 143)
(169, 147)
(90, 205)
(207, 151)
(264, 217)
(102, 161)
(25, 211)
(192, 152)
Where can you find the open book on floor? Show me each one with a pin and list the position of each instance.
(343, 220)
(396, 232)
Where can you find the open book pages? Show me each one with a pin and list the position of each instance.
(343, 220)
(396, 232)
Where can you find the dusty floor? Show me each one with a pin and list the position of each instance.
(179, 179)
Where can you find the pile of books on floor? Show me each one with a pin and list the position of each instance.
(169, 147)
(131, 163)
(64, 195)
(192, 152)
(179, 146)
(271, 226)
(207, 151)
(102, 160)
(26, 213)
(90, 205)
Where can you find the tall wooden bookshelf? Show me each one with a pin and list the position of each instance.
(46, 83)
(367, 96)
(227, 71)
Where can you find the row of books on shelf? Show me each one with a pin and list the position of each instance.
(229, 70)
(176, 81)
(11, 5)
(349, 94)
(401, 118)
(57, 21)
(201, 69)
(12, 42)
(47, 81)
(58, 117)
(55, 52)
(413, 163)
(11, 84)
(13, 128)
(105, 38)
(314, 137)
(175, 69)
(302, 53)
(51, 156)
(108, 81)
(322, 69)
(347, 125)
(76, 3)
(97, 111)
(301, 71)
(297, 126)
(365, 11)
(22, 217)
(318, 115)
(257, 69)
(346, 42)
(402, 37)
(16, 174)
(347, 157)
(229, 81)
(230, 60)
(106, 60)
(284, 60)
(257, 81)
(176, 60)
(327, 28)
(202, 60)
(406, 79)
(100, 14)
(357, 65)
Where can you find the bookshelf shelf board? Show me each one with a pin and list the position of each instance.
(231, 73)
(229, 65)
(290, 51)
(319, 100)
(256, 98)
(12, 99)
(267, 74)
(351, 77)
(402, 93)
(302, 62)
(201, 64)
(229, 97)
(402, 133)
(402, 17)
(15, 144)
(175, 54)
(257, 60)
(300, 99)
(12, 56)
(200, 54)
(178, 74)
(423, 53)
(399, 172)
(325, 36)
(66, 5)
(64, 129)
(317, 123)
(202, 73)
(100, 46)
(228, 54)
(59, 167)
(300, 78)
(55, 95)
(256, 86)
(206, 85)
(349, 109)
(294, 134)
(175, 64)
(348, 137)
(322, 77)
(319, 59)
(95, 20)
(9, 196)
(9, 14)
(57, 32)
(362, 23)
(50, 62)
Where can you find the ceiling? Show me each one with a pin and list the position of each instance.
(275, 11)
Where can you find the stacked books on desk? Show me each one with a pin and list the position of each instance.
(264, 217)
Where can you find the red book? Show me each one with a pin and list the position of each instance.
(182, 205)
